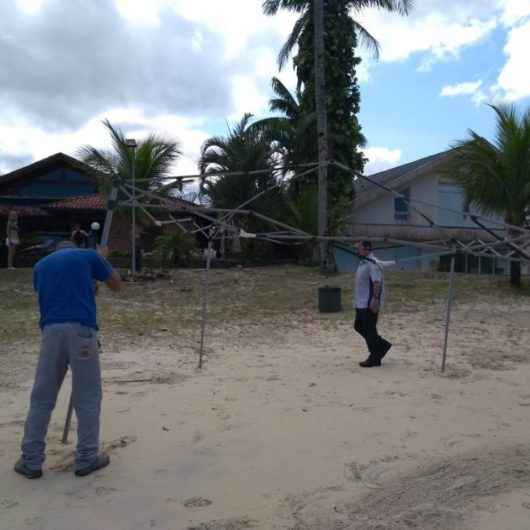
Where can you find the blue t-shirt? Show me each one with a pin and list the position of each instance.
(64, 282)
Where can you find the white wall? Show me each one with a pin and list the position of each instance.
(432, 189)
(381, 210)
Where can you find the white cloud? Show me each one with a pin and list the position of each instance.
(461, 89)
(238, 21)
(432, 27)
(247, 97)
(22, 139)
(31, 7)
(514, 80)
(381, 158)
(363, 70)
(139, 11)
(170, 60)
(514, 11)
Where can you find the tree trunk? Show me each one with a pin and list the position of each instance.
(322, 128)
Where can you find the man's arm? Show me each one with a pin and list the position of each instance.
(114, 281)
(375, 303)
(376, 277)
(112, 278)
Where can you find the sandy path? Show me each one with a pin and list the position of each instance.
(283, 431)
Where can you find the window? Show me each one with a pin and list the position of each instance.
(452, 201)
(401, 206)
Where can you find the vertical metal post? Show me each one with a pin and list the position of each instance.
(133, 267)
(113, 196)
(205, 290)
(68, 420)
(449, 306)
(322, 128)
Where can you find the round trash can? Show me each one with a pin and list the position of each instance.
(329, 299)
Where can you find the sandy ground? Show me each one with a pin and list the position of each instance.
(283, 430)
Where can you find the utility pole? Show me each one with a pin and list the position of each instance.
(132, 144)
(322, 129)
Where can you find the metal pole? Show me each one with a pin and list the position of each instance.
(103, 242)
(448, 313)
(133, 268)
(68, 420)
(205, 286)
(322, 129)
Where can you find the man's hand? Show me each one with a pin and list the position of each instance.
(103, 251)
(375, 304)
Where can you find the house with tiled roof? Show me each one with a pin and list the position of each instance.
(52, 195)
(378, 214)
(37, 191)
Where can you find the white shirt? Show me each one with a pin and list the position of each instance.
(367, 273)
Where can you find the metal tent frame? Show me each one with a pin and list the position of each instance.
(514, 247)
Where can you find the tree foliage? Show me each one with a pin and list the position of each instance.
(152, 161)
(496, 175)
(342, 35)
(245, 149)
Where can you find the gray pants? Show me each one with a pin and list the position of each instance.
(64, 345)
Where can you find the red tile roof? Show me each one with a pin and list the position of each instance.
(23, 211)
(96, 201)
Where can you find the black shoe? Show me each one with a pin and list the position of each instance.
(100, 462)
(369, 363)
(22, 469)
(387, 349)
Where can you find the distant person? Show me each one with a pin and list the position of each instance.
(79, 236)
(93, 235)
(63, 281)
(369, 296)
(12, 238)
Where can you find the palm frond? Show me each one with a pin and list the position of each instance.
(292, 40)
(366, 39)
(403, 7)
(271, 7)
(284, 102)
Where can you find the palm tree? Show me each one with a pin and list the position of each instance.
(496, 175)
(342, 34)
(244, 149)
(153, 160)
(304, 7)
(292, 134)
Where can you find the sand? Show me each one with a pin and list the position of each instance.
(283, 430)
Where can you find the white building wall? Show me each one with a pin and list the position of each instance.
(381, 210)
(434, 189)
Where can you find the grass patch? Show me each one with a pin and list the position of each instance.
(247, 295)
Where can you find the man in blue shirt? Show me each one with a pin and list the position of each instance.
(64, 282)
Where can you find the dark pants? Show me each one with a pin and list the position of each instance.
(366, 326)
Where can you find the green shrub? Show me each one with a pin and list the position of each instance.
(174, 248)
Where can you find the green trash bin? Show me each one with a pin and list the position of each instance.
(329, 299)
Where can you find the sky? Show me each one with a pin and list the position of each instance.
(187, 68)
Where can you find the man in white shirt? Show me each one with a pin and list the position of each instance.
(369, 296)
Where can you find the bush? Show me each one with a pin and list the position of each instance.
(175, 248)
